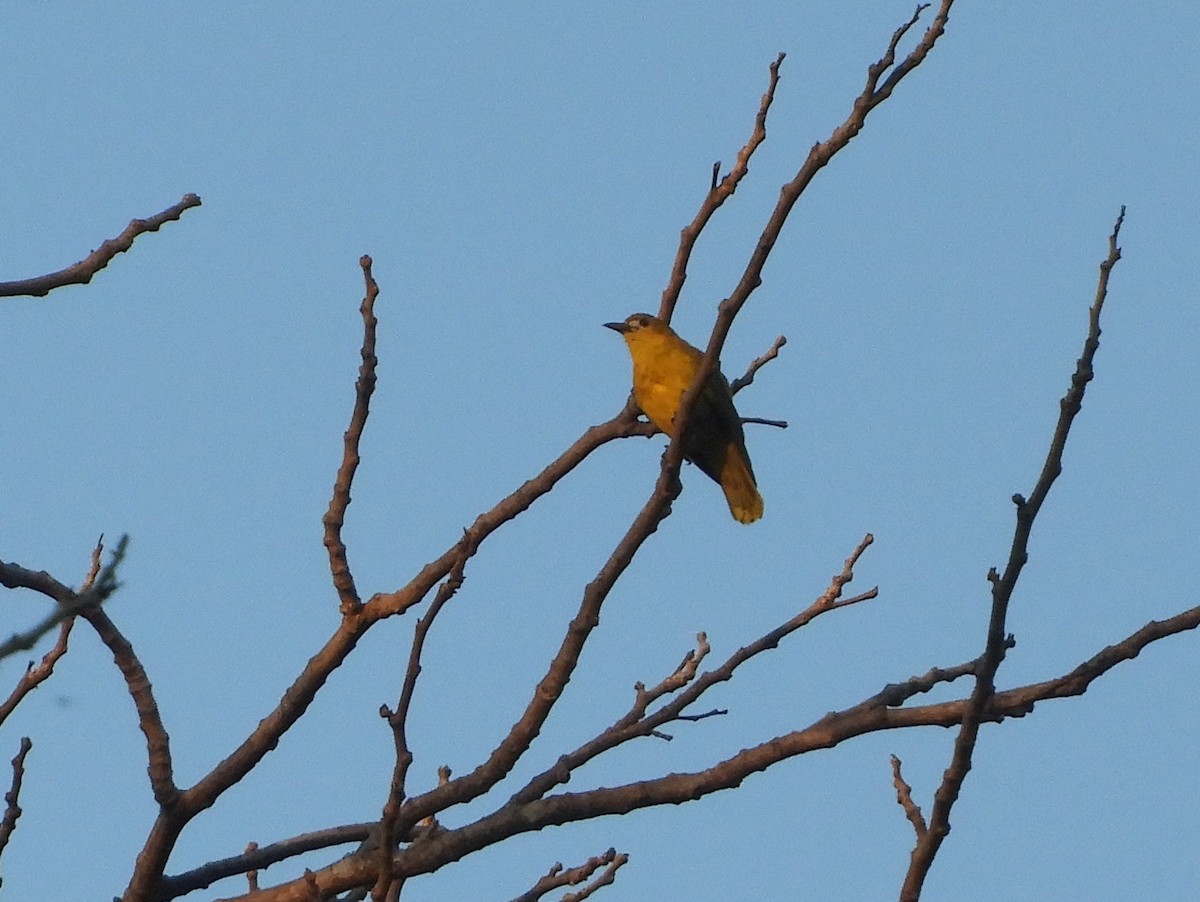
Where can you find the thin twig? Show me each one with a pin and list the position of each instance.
(757, 364)
(37, 674)
(638, 722)
(158, 743)
(869, 716)
(99, 586)
(905, 800)
(398, 720)
(558, 877)
(12, 798)
(364, 387)
(1003, 586)
(82, 272)
(718, 193)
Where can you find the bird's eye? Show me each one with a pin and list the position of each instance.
(637, 321)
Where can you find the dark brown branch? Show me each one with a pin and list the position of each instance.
(559, 877)
(37, 674)
(905, 800)
(1003, 586)
(551, 686)
(871, 715)
(398, 720)
(364, 387)
(757, 364)
(98, 587)
(34, 675)
(873, 94)
(158, 744)
(638, 722)
(718, 193)
(262, 857)
(81, 273)
(12, 798)
(819, 156)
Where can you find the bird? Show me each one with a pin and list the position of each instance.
(664, 365)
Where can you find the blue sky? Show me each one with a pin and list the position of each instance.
(520, 174)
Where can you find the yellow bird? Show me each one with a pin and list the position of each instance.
(664, 365)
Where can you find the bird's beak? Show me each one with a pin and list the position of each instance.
(618, 327)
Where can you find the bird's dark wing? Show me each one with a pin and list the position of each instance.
(713, 426)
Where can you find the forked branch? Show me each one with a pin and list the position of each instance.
(1003, 585)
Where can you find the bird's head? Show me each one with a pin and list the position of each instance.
(638, 322)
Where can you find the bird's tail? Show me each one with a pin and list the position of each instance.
(737, 481)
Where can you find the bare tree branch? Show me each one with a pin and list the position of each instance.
(81, 273)
(873, 94)
(559, 877)
(398, 720)
(757, 364)
(335, 516)
(718, 193)
(869, 716)
(1002, 589)
(35, 675)
(12, 798)
(100, 585)
(158, 744)
(905, 800)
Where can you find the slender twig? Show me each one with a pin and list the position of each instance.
(37, 674)
(718, 193)
(638, 722)
(398, 720)
(364, 387)
(871, 715)
(12, 798)
(263, 857)
(905, 800)
(82, 272)
(1003, 586)
(874, 93)
(757, 364)
(99, 586)
(558, 877)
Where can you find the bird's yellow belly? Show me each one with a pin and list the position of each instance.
(658, 395)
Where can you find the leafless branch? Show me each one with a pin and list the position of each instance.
(364, 387)
(100, 585)
(905, 800)
(12, 798)
(37, 674)
(263, 857)
(1002, 590)
(34, 675)
(718, 193)
(398, 720)
(559, 877)
(871, 715)
(81, 273)
(638, 721)
(874, 93)
(158, 745)
(757, 364)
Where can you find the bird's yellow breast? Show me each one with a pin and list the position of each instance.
(663, 368)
